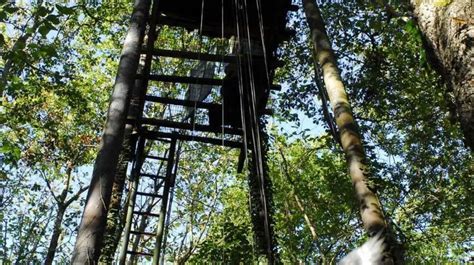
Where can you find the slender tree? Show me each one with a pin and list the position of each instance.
(63, 203)
(370, 207)
(93, 223)
(448, 31)
(371, 212)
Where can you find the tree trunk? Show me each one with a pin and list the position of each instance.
(370, 208)
(114, 220)
(371, 213)
(93, 223)
(448, 31)
(53, 244)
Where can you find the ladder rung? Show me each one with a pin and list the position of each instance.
(142, 233)
(149, 194)
(151, 176)
(139, 253)
(159, 139)
(194, 55)
(184, 79)
(157, 158)
(146, 213)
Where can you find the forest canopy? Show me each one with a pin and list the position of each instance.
(58, 64)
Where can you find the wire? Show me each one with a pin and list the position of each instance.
(262, 36)
(222, 63)
(256, 141)
(240, 78)
(201, 23)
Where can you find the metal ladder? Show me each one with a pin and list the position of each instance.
(149, 182)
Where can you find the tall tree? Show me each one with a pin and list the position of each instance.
(93, 223)
(448, 31)
(370, 208)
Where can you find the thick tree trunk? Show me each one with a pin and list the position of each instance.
(114, 220)
(115, 217)
(448, 31)
(93, 223)
(53, 244)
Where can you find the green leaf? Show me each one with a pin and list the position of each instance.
(45, 28)
(53, 19)
(10, 9)
(63, 10)
(42, 11)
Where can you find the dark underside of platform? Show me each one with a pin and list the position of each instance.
(219, 16)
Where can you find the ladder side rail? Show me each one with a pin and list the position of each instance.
(164, 202)
(131, 204)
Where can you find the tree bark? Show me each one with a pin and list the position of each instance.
(114, 220)
(371, 213)
(53, 243)
(93, 223)
(370, 207)
(62, 203)
(448, 31)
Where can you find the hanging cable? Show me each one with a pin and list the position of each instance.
(256, 141)
(324, 100)
(240, 77)
(201, 24)
(168, 212)
(262, 37)
(222, 63)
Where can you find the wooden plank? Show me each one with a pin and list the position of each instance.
(142, 233)
(181, 102)
(157, 158)
(139, 253)
(149, 194)
(194, 55)
(185, 79)
(146, 213)
(151, 176)
(207, 140)
(275, 87)
(188, 126)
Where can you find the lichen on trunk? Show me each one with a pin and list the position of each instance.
(448, 32)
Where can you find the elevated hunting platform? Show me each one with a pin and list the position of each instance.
(230, 50)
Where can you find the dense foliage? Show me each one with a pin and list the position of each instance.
(58, 63)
